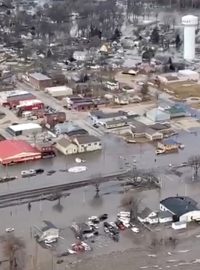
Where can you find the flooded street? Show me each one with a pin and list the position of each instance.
(83, 202)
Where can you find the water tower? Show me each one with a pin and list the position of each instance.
(190, 23)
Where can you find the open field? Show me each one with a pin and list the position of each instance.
(184, 90)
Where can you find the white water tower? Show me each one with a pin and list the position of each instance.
(190, 23)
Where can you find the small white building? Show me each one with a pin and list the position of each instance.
(148, 216)
(24, 129)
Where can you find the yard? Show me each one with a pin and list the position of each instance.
(184, 90)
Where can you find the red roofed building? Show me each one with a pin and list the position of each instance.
(15, 151)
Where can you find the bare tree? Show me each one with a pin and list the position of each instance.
(14, 250)
(145, 89)
(159, 240)
(131, 202)
(194, 163)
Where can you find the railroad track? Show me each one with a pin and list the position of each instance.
(42, 193)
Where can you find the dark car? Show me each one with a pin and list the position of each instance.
(39, 171)
(103, 217)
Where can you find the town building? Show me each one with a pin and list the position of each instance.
(66, 146)
(16, 151)
(87, 143)
(169, 145)
(59, 91)
(39, 81)
(115, 124)
(13, 98)
(69, 128)
(148, 216)
(29, 105)
(24, 129)
(101, 118)
(78, 144)
(80, 103)
(157, 115)
(183, 208)
(52, 119)
(141, 130)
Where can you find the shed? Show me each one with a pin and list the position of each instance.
(165, 216)
(59, 91)
(179, 225)
(157, 115)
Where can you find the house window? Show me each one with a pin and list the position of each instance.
(95, 143)
(89, 144)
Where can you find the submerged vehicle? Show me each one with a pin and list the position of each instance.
(27, 173)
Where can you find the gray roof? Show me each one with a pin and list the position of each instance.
(39, 76)
(114, 122)
(67, 127)
(85, 139)
(103, 115)
(64, 142)
(164, 214)
(145, 213)
(179, 205)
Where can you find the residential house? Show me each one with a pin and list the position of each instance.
(115, 124)
(78, 144)
(66, 146)
(148, 216)
(140, 130)
(87, 143)
(169, 145)
(182, 208)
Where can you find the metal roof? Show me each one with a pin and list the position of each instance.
(179, 205)
(85, 139)
(24, 126)
(39, 76)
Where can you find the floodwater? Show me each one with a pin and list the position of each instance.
(116, 156)
(83, 203)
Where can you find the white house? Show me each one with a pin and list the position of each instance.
(66, 147)
(148, 216)
(165, 217)
(87, 143)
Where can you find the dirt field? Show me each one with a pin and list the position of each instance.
(184, 90)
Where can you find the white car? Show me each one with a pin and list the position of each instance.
(8, 230)
(28, 173)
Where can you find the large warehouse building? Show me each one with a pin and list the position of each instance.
(182, 208)
(24, 129)
(15, 151)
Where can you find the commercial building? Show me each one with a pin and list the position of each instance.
(24, 129)
(52, 119)
(176, 111)
(13, 98)
(79, 103)
(40, 81)
(101, 118)
(29, 105)
(59, 91)
(183, 209)
(15, 151)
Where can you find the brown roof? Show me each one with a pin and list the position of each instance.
(85, 139)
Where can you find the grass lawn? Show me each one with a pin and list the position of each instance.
(184, 90)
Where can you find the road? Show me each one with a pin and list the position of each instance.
(79, 118)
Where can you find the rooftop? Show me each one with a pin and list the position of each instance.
(104, 115)
(64, 142)
(85, 139)
(39, 76)
(179, 205)
(9, 148)
(24, 126)
(145, 213)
